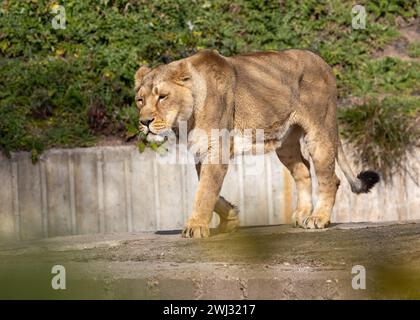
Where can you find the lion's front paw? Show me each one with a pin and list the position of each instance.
(196, 230)
(316, 222)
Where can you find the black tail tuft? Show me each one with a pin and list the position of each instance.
(368, 179)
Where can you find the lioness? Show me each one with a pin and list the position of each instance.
(290, 94)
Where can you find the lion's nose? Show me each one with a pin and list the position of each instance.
(146, 122)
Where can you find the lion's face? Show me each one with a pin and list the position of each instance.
(164, 98)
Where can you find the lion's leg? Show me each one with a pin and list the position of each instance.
(291, 156)
(211, 180)
(323, 153)
(227, 212)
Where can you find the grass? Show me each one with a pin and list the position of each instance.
(414, 49)
(382, 76)
(66, 88)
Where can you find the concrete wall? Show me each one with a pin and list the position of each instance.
(117, 189)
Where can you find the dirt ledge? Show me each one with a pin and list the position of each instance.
(277, 262)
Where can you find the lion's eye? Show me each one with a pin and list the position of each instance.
(162, 97)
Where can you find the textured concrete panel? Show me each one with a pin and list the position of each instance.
(58, 194)
(7, 218)
(30, 207)
(86, 192)
(142, 192)
(115, 204)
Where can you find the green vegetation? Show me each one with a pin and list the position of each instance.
(69, 87)
(414, 49)
(382, 132)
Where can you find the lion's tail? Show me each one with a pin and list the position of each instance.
(364, 181)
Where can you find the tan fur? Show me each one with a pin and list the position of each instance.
(290, 94)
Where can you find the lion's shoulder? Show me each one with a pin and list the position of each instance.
(209, 58)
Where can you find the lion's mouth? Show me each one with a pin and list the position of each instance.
(152, 136)
(158, 138)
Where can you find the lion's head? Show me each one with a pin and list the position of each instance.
(164, 97)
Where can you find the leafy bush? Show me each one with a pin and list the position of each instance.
(414, 49)
(386, 75)
(383, 132)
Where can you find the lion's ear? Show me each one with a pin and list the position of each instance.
(140, 74)
(182, 73)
